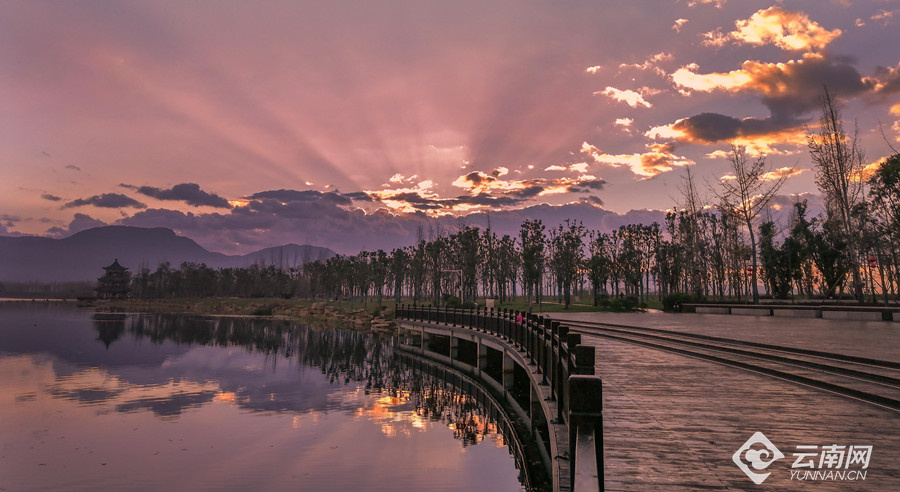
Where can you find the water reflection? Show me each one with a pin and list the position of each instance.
(79, 383)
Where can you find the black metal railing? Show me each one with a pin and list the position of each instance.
(563, 363)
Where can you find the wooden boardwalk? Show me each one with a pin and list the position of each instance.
(673, 422)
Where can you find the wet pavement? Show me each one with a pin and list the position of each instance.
(673, 422)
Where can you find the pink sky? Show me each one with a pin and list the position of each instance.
(252, 124)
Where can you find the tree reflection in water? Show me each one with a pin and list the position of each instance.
(403, 382)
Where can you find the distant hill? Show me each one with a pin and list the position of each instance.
(82, 256)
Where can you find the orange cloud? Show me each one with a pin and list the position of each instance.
(678, 24)
(791, 88)
(658, 159)
(759, 136)
(870, 170)
(783, 172)
(788, 30)
(884, 15)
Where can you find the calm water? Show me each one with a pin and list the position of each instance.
(127, 402)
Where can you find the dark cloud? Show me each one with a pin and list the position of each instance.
(592, 199)
(9, 220)
(360, 196)
(488, 200)
(791, 90)
(336, 197)
(888, 79)
(288, 195)
(529, 192)
(587, 186)
(52, 198)
(189, 193)
(80, 222)
(73, 167)
(475, 177)
(715, 127)
(269, 222)
(106, 200)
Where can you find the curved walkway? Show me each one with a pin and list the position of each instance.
(673, 422)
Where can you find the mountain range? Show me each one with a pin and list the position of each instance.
(83, 255)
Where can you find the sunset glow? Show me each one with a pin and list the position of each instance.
(247, 126)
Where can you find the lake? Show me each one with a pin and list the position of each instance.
(112, 401)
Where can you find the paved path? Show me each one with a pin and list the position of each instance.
(873, 339)
(673, 422)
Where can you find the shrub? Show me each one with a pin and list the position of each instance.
(616, 305)
(630, 303)
(672, 302)
(262, 311)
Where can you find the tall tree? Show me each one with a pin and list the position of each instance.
(839, 166)
(532, 239)
(567, 255)
(745, 193)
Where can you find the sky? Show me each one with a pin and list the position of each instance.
(361, 125)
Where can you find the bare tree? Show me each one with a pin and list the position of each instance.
(839, 165)
(745, 193)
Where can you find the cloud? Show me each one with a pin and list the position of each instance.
(578, 167)
(73, 167)
(789, 89)
(714, 127)
(484, 191)
(678, 24)
(788, 30)
(658, 159)
(347, 231)
(758, 135)
(52, 198)
(718, 3)
(782, 172)
(80, 222)
(624, 122)
(650, 64)
(886, 80)
(9, 220)
(867, 172)
(189, 193)
(335, 197)
(106, 200)
(593, 70)
(632, 98)
(885, 16)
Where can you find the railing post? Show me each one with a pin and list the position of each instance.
(586, 432)
(553, 359)
(584, 359)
